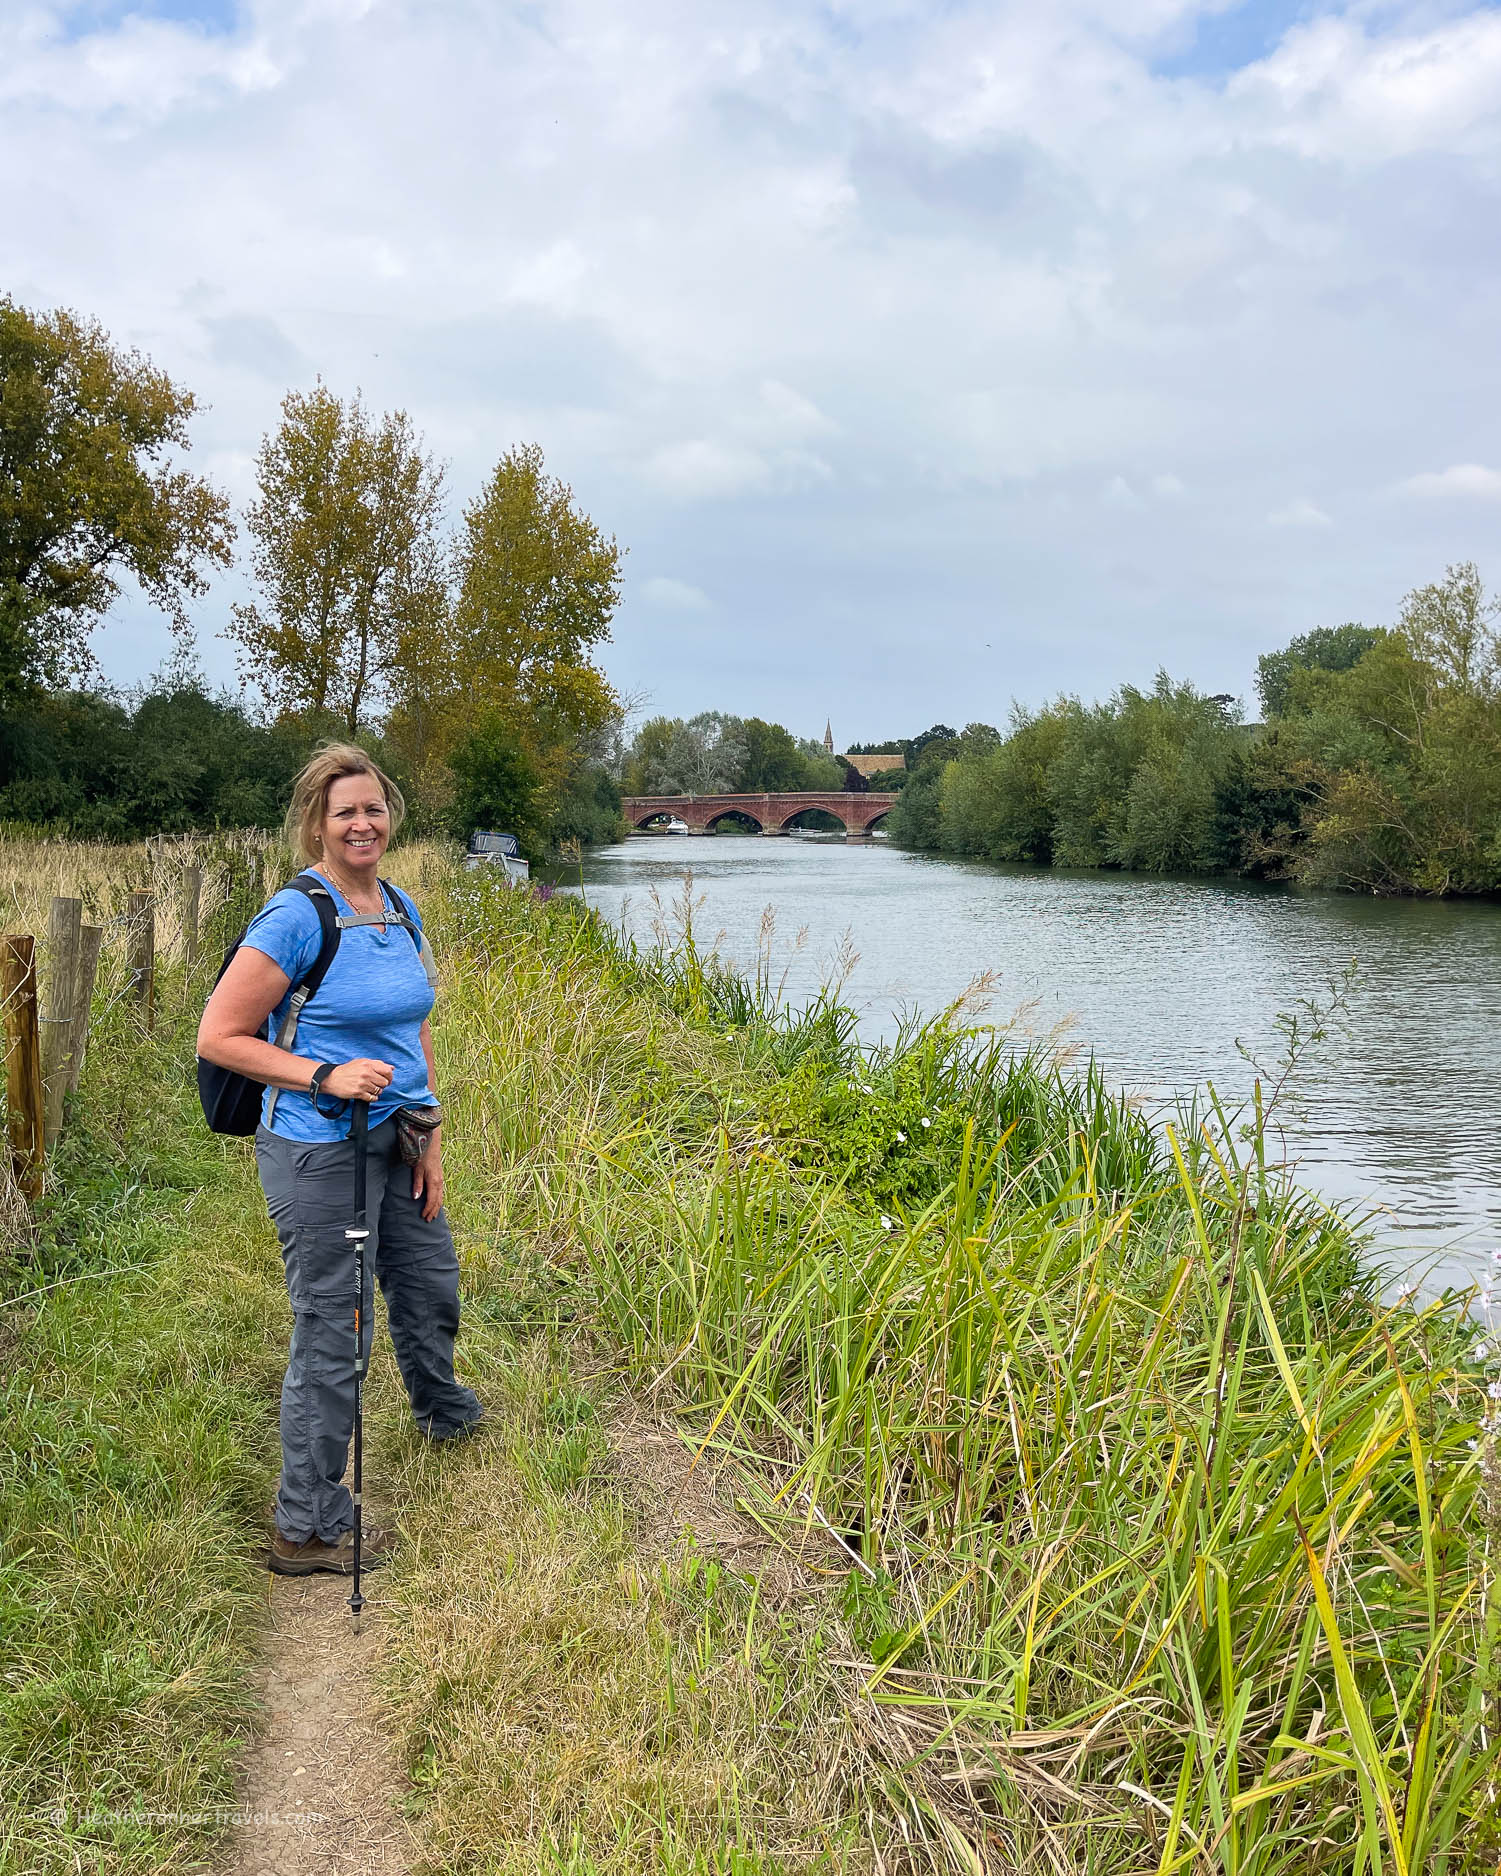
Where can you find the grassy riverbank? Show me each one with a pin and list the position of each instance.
(1153, 1539)
(1165, 1535)
(670, 1714)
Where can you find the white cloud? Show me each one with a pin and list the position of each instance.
(674, 595)
(866, 315)
(1338, 90)
(787, 415)
(1300, 514)
(703, 470)
(1466, 479)
(1118, 493)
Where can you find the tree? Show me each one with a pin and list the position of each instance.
(995, 799)
(939, 739)
(977, 740)
(917, 819)
(348, 555)
(647, 753)
(820, 769)
(538, 586)
(773, 761)
(1404, 751)
(1185, 745)
(588, 810)
(167, 759)
(89, 489)
(1451, 625)
(704, 756)
(716, 753)
(1261, 804)
(496, 787)
(1326, 648)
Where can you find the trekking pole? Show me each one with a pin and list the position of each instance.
(359, 1128)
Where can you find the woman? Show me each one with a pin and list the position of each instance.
(364, 1035)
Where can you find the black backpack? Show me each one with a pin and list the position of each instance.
(232, 1102)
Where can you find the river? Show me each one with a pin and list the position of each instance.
(1397, 1111)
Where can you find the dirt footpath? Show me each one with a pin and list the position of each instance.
(320, 1785)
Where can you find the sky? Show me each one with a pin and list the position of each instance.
(923, 355)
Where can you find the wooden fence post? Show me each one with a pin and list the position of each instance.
(57, 1025)
(192, 900)
(141, 928)
(89, 940)
(23, 1062)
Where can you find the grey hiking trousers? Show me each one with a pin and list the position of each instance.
(309, 1187)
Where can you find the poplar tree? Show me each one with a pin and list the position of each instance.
(348, 554)
(537, 585)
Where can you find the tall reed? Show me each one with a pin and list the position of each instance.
(1164, 1528)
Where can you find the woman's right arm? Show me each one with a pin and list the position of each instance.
(232, 1033)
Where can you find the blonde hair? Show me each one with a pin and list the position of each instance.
(329, 763)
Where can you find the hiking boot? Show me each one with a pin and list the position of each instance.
(289, 1559)
(437, 1435)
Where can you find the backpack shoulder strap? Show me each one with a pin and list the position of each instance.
(328, 921)
(408, 917)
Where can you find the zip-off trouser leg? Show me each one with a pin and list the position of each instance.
(309, 1188)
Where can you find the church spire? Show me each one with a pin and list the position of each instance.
(828, 735)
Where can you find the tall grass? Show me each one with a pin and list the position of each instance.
(142, 1338)
(1166, 1538)
(1165, 1541)
(138, 1365)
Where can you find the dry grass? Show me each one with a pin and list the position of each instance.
(576, 1697)
(239, 871)
(136, 1428)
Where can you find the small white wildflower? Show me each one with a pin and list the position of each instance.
(1494, 1390)
(886, 1223)
(1471, 1444)
(901, 1138)
(1496, 1257)
(865, 1088)
(1481, 1352)
(926, 1122)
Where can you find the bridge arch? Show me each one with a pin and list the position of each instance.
(714, 822)
(654, 816)
(876, 820)
(795, 819)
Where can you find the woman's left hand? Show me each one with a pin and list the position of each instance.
(427, 1177)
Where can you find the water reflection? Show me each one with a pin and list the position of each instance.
(1399, 1107)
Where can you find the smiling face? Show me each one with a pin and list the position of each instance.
(356, 825)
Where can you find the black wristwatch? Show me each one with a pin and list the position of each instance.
(315, 1086)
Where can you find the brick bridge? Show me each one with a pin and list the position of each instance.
(769, 814)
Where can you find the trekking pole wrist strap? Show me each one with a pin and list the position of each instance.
(315, 1087)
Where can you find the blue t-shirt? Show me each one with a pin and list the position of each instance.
(373, 1002)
